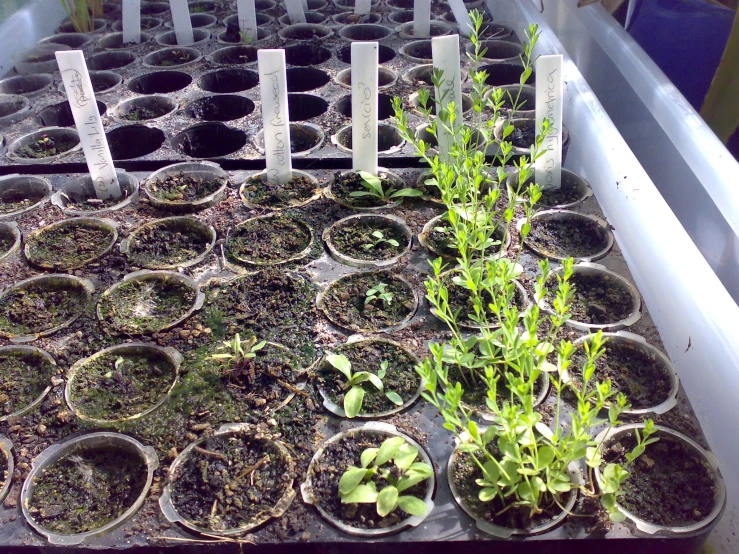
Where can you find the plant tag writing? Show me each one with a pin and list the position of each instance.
(247, 19)
(463, 18)
(445, 55)
(131, 21)
(549, 101)
(365, 60)
(421, 18)
(273, 87)
(362, 7)
(181, 21)
(89, 125)
(295, 11)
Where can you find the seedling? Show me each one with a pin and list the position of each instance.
(240, 351)
(356, 485)
(380, 239)
(379, 292)
(355, 393)
(82, 13)
(373, 184)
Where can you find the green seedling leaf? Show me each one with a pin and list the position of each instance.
(406, 192)
(353, 401)
(405, 456)
(368, 456)
(412, 505)
(387, 501)
(342, 363)
(363, 494)
(487, 494)
(388, 449)
(351, 478)
(362, 376)
(394, 397)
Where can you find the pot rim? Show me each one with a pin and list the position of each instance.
(146, 274)
(150, 56)
(56, 197)
(708, 456)
(205, 36)
(375, 427)
(311, 126)
(117, 116)
(172, 355)
(583, 184)
(11, 226)
(296, 172)
(16, 144)
(569, 214)
(356, 262)
(167, 505)
(102, 223)
(355, 328)
(283, 33)
(393, 177)
(6, 447)
(38, 179)
(223, 64)
(32, 350)
(381, 68)
(347, 128)
(201, 203)
(404, 28)
(206, 229)
(406, 76)
(84, 285)
(145, 37)
(352, 28)
(428, 227)
(298, 256)
(58, 451)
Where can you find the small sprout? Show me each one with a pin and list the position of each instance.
(380, 239)
(240, 351)
(354, 380)
(378, 292)
(373, 184)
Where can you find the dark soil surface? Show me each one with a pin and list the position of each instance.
(119, 385)
(183, 188)
(640, 376)
(147, 305)
(476, 390)
(669, 484)
(466, 472)
(441, 241)
(230, 482)
(87, 204)
(598, 299)
(23, 377)
(261, 192)
(523, 137)
(143, 113)
(37, 308)
(68, 246)
(167, 243)
(7, 240)
(578, 238)
(355, 239)
(46, 147)
(345, 302)
(401, 376)
(344, 184)
(87, 490)
(174, 58)
(269, 240)
(565, 194)
(11, 202)
(336, 459)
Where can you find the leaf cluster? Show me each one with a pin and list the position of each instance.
(354, 384)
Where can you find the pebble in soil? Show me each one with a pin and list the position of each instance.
(70, 245)
(267, 240)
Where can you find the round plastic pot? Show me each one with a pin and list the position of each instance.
(312, 18)
(235, 55)
(24, 186)
(10, 229)
(129, 142)
(106, 224)
(198, 21)
(114, 41)
(147, 275)
(103, 82)
(384, 109)
(24, 350)
(60, 115)
(57, 133)
(505, 532)
(418, 51)
(262, 19)
(640, 343)
(350, 6)
(498, 51)
(389, 220)
(588, 268)
(160, 82)
(84, 286)
(302, 107)
(148, 23)
(350, 18)
(415, 102)
(385, 54)
(170, 512)
(67, 26)
(566, 215)
(305, 31)
(154, 101)
(6, 447)
(27, 85)
(208, 140)
(395, 182)
(154, 8)
(175, 222)
(202, 6)
(400, 17)
(226, 37)
(198, 169)
(296, 173)
(82, 189)
(386, 78)
(570, 181)
(39, 59)
(73, 40)
(519, 122)
(306, 131)
(382, 431)
(166, 58)
(365, 32)
(173, 357)
(169, 38)
(109, 61)
(649, 529)
(436, 29)
(69, 448)
(423, 239)
(389, 139)
(299, 256)
(355, 328)
(13, 108)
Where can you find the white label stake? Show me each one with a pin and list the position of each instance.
(549, 101)
(362, 7)
(365, 81)
(462, 17)
(445, 54)
(182, 23)
(421, 18)
(247, 19)
(295, 11)
(131, 21)
(273, 87)
(89, 125)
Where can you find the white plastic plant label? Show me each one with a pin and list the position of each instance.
(462, 17)
(365, 81)
(421, 18)
(549, 101)
(273, 87)
(181, 21)
(131, 21)
(362, 7)
(445, 55)
(247, 15)
(89, 125)
(295, 11)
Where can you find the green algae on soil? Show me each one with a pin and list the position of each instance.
(69, 245)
